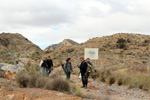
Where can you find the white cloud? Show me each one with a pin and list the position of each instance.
(46, 22)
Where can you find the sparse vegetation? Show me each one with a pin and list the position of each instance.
(76, 90)
(27, 79)
(121, 77)
(121, 44)
(22, 79)
(2, 74)
(58, 84)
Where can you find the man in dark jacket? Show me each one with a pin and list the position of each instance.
(50, 65)
(83, 69)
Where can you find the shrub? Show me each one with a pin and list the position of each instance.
(22, 79)
(41, 82)
(70, 50)
(56, 73)
(95, 74)
(76, 90)
(48, 85)
(58, 84)
(32, 80)
(140, 86)
(31, 69)
(112, 80)
(121, 44)
(120, 82)
(2, 74)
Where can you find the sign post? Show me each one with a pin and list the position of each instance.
(91, 53)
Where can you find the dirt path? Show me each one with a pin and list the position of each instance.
(101, 90)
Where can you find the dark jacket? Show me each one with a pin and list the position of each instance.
(83, 67)
(49, 63)
(68, 67)
(44, 64)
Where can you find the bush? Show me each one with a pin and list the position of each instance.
(121, 44)
(112, 80)
(41, 82)
(32, 80)
(31, 69)
(22, 79)
(120, 82)
(2, 74)
(58, 84)
(76, 90)
(101, 77)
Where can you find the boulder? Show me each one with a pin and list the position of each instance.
(10, 70)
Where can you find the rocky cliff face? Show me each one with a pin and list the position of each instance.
(64, 43)
(16, 42)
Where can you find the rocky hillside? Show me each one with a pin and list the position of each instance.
(135, 47)
(64, 43)
(16, 42)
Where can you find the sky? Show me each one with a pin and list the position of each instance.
(47, 22)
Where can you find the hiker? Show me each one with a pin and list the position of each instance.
(50, 65)
(44, 65)
(89, 68)
(68, 68)
(83, 69)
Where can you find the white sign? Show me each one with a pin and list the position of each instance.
(91, 53)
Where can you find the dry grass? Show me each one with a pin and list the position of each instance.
(32, 80)
(123, 77)
(22, 79)
(58, 84)
(40, 82)
(76, 90)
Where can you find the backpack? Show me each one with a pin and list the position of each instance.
(63, 66)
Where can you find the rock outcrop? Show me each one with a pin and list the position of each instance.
(10, 70)
(64, 43)
(17, 43)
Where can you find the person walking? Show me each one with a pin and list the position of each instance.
(68, 68)
(43, 65)
(83, 69)
(50, 65)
